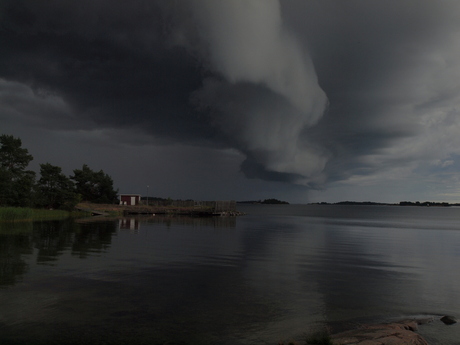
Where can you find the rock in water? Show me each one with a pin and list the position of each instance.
(449, 320)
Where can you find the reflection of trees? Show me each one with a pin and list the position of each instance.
(12, 249)
(51, 239)
(93, 238)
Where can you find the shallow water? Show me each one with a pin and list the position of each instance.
(271, 275)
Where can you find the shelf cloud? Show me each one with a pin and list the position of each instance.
(311, 95)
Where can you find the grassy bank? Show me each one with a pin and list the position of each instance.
(21, 214)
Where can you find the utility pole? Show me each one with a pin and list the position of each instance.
(147, 195)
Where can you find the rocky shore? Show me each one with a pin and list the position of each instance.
(403, 332)
(396, 333)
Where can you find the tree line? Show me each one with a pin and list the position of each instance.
(20, 187)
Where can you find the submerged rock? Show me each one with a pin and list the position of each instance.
(449, 320)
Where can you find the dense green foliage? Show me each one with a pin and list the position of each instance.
(94, 186)
(16, 182)
(53, 190)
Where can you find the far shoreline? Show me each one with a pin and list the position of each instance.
(401, 203)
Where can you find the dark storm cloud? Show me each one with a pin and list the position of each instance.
(109, 62)
(310, 92)
(381, 65)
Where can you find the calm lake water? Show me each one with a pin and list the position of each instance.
(274, 274)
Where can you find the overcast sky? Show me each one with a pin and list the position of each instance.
(303, 101)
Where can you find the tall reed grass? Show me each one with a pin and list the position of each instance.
(20, 214)
(42, 214)
(14, 214)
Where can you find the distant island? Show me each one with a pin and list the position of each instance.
(401, 203)
(265, 202)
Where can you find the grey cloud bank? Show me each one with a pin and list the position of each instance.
(300, 100)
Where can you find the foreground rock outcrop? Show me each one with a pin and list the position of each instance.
(397, 333)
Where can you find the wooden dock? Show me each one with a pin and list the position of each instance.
(91, 211)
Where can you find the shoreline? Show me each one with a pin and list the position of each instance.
(400, 332)
(132, 210)
(394, 333)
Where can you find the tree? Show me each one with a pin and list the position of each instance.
(94, 186)
(55, 190)
(16, 183)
